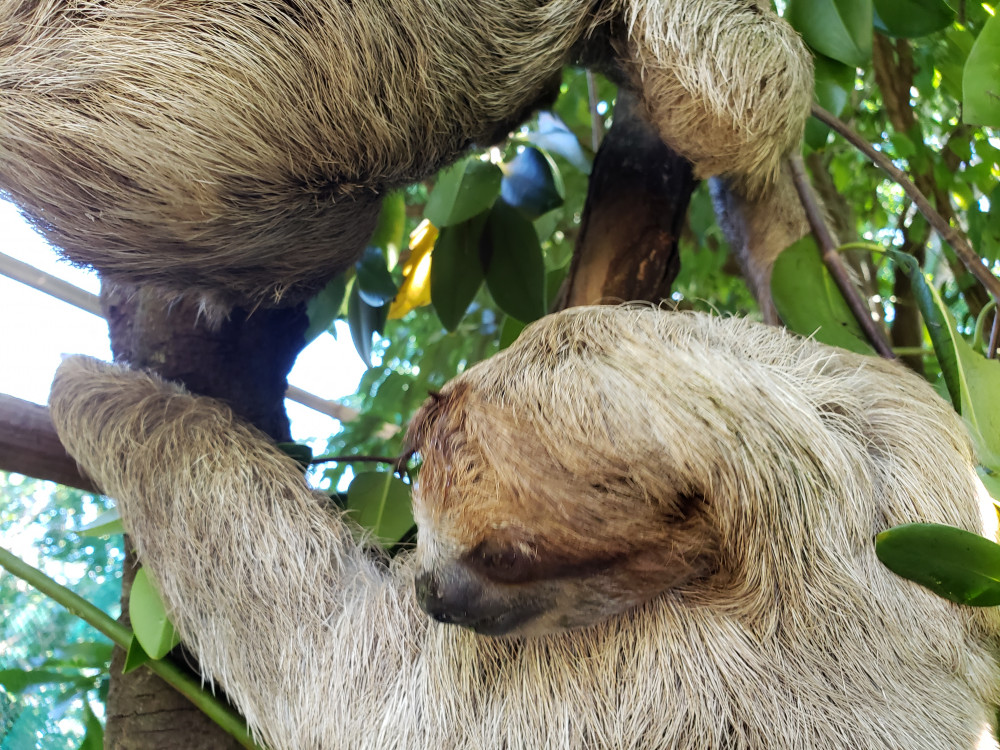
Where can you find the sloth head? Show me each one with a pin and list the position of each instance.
(562, 481)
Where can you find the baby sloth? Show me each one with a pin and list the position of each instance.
(678, 509)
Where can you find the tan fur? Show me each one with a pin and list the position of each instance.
(583, 437)
(241, 149)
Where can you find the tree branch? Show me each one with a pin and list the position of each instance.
(29, 445)
(950, 234)
(833, 261)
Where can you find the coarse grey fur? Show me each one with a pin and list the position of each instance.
(792, 455)
(240, 150)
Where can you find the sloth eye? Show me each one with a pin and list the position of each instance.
(501, 563)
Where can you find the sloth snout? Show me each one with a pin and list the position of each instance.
(454, 595)
(449, 594)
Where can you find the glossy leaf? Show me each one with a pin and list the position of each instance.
(462, 191)
(364, 321)
(135, 656)
(809, 301)
(834, 83)
(456, 271)
(324, 308)
(510, 330)
(553, 136)
(515, 273)
(381, 504)
(530, 185)
(912, 18)
(973, 381)
(373, 280)
(950, 62)
(991, 481)
(981, 79)
(150, 623)
(953, 563)
(391, 224)
(841, 29)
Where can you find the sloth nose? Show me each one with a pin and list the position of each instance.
(450, 594)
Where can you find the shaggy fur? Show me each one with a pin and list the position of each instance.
(241, 148)
(583, 434)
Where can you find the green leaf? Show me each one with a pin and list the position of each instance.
(462, 191)
(150, 623)
(991, 481)
(456, 271)
(135, 656)
(973, 381)
(809, 301)
(391, 226)
(302, 454)
(841, 29)
(16, 680)
(381, 504)
(834, 83)
(324, 308)
(950, 62)
(981, 80)
(912, 18)
(552, 136)
(510, 330)
(530, 183)
(108, 523)
(515, 273)
(94, 737)
(373, 280)
(953, 563)
(364, 320)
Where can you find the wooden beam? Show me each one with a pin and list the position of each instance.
(29, 445)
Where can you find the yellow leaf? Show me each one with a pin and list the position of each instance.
(415, 291)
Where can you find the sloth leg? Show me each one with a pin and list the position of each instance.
(727, 82)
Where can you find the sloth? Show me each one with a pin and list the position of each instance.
(241, 150)
(637, 529)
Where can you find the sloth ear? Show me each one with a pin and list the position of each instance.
(437, 406)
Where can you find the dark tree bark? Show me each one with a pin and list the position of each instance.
(243, 361)
(637, 200)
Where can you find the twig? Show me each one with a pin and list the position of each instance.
(398, 463)
(188, 686)
(991, 352)
(950, 234)
(833, 261)
(596, 123)
(356, 459)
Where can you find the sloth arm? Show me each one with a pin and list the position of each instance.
(283, 609)
(727, 82)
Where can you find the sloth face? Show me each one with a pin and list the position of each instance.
(499, 587)
(514, 541)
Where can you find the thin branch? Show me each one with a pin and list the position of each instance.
(596, 123)
(834, 262)
(951, 235)
(393, 460)
(991, 352)
(188, 686)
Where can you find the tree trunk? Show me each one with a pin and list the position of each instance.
(637, 200)
(244, 361)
